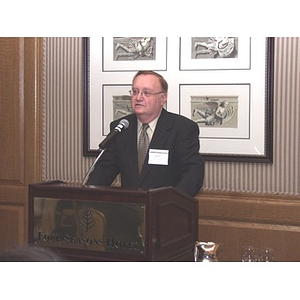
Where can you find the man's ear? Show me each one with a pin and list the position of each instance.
(163, 98)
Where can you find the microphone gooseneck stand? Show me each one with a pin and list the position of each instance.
(87, 175)
(123, 124)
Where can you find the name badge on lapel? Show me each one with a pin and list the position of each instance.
(158, 157)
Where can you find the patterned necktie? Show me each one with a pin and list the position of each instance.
(143, 146)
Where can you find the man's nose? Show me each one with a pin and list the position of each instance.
(139, 95)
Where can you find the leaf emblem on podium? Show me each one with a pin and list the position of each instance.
(87, 221)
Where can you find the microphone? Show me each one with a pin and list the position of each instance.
(123, 124)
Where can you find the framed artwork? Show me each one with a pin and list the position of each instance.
(230, 98)
(224, 116)
(134, 53)
(221, 111)
(215, 53)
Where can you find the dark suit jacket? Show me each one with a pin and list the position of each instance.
(178, 134)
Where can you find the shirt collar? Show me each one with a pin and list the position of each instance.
(152, 124)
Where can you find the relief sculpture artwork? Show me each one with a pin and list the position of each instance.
(215, 111)
(214, 47)
(134, 48)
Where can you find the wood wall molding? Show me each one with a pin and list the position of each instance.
(238, 219)
(21, 74)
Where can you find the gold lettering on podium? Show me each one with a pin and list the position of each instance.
(89, 225)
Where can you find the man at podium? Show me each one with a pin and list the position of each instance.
(150, 148)
(158, 149)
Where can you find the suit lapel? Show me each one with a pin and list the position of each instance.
(130, 140)
(161, 133)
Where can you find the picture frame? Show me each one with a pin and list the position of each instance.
(218, 53)
(221, 111)
(134, 53)
(252, 88)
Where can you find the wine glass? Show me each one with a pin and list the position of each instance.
(249, 254)
(266, 255)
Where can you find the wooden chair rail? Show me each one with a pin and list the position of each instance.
(239, 219)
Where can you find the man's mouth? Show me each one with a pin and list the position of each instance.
(139, 105)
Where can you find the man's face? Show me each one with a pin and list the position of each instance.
(147, 99)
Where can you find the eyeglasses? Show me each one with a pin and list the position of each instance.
(146, 93)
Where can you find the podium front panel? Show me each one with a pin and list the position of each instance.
(89, 225)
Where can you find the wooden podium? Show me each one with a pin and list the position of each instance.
(93, 223)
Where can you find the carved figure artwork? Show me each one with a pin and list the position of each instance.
(134, 48)
(221, 111)
(222, 47)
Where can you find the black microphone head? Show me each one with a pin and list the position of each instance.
(124, 123)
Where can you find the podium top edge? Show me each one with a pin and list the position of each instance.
(59, 183)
